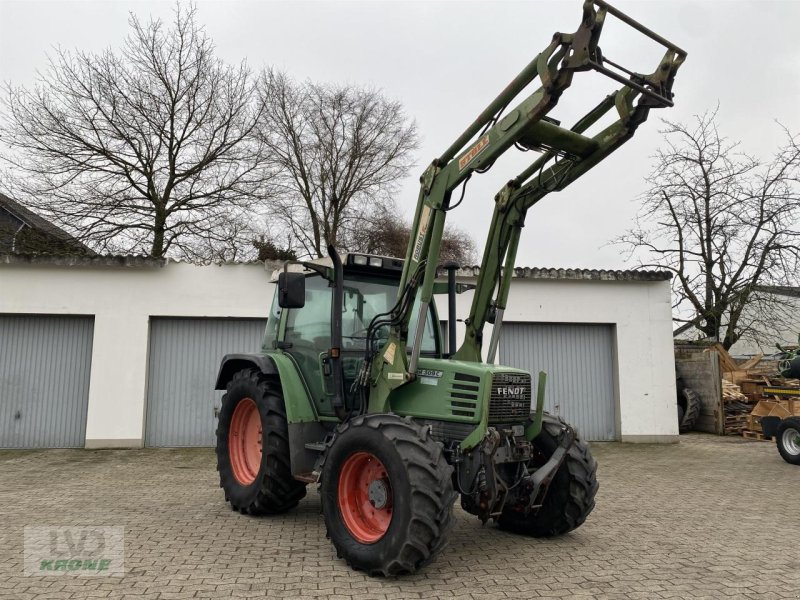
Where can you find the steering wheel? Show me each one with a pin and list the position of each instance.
(361, 333)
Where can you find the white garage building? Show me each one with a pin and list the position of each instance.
(123, 351)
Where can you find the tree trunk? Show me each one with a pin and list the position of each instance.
(159, 227)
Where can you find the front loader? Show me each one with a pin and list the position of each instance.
(354, 388)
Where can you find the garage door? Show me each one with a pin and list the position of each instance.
(579, 361)
(44, 380)
(183, 364)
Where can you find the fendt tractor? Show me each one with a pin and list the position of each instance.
(354, 388)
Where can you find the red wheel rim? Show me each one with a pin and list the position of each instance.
(365, 497)
(244, 441)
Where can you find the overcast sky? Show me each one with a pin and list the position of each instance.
(447, 60)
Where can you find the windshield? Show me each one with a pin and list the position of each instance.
(366, 297)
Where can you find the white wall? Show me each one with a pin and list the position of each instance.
(122, 299)
(642, 314)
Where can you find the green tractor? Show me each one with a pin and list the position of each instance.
(356, 390)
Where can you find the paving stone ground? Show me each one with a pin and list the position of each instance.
(706, 518)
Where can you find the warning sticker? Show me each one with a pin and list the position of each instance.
(388, 355)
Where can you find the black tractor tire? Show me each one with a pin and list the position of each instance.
(688, 409)
(571, 496)
(273, 489)
(420, 492)
(787, 439)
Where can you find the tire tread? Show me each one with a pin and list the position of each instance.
(582, 486)
(429, 475)
(691, 412)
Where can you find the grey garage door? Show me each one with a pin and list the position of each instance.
(44, 380)
(579, 361)
(184, 360)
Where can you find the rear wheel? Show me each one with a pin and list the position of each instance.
(569, 499)
(253, 447)
(787, 439)
(387, 494)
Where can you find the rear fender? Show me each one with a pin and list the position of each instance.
(304, 425)
(233, 363)
(299, 407)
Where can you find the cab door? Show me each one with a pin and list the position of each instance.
(307, 339)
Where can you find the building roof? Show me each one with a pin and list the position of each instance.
(536, 273)
(780, 290)
(577, 274)
(77, 260)
(34, 221)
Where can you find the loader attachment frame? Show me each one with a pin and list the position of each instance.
(565, 154)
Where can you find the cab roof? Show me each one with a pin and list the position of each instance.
(353, 262)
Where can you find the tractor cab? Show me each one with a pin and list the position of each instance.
(302, 328)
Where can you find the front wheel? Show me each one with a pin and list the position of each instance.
(387, 494)
(570, 497)
(788, 440)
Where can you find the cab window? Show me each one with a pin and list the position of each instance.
(273, 321)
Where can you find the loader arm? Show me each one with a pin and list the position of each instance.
(564, 155)
(520, 194)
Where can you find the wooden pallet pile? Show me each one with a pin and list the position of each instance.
(736, 405)
(743, 397)
(737, 408)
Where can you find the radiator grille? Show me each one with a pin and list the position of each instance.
(510, 400)
(464, 393)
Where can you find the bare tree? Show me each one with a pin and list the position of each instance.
(269, 249)
(338, 152)
(388, 234)
(725, 224)
(147, 149)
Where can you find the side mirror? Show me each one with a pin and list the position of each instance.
(291, 290)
